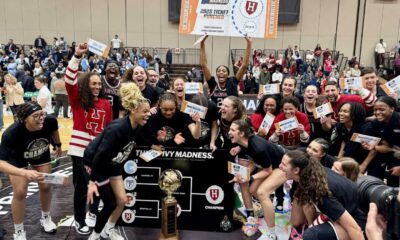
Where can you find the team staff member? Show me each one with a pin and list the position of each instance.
(91, 113)
(331, 92)
(334, 195)
(112, 148)
(222, 85)
(27, 142)
(265, 180)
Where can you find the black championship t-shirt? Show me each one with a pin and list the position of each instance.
(344, 198)
(170, 127)
(262, 152)
(218, 94)
(19, 145)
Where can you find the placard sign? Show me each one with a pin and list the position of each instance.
(205, 192)
(256, 18)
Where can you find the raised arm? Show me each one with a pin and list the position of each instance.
(203, 60)
(246, 59)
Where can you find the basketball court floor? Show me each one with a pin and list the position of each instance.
(62, 209)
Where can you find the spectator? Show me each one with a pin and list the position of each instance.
(168, 57)
(163, 81)
(13, 92)
(277, 76)
(38, 70)
(10, 48)
(60, 96)
(40, 43)
(355, 71)
(44, 95)
(116, 43)
(250, 85)
(380, 50)
(143, 61)
(60, 68)
(12, 66)
(317, 54)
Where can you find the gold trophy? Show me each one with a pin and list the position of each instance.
(169, 181)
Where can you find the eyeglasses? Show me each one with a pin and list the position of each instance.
(38, 116)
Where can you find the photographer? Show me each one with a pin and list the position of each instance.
(333, 195)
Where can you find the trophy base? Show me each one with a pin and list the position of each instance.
(176, 237)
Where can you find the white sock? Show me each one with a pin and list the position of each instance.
(19, 227)
(95, 235)
(271, 230)
(45, 214)
(106, 230)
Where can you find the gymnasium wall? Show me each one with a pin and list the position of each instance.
(144, 23)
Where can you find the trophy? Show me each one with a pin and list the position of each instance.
(169, 181)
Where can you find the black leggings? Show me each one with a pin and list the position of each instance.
(81, 179)
(108, 198)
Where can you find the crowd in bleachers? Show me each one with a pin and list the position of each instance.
(306, 82)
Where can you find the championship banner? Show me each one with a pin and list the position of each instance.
(205, 198)
(236, 18)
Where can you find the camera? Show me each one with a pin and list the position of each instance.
(372, 189)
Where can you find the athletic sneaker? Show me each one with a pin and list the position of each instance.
(20, 235)
(250, 227)
(114, 234)
(270, 236)
(82, 229)
(90, 219)
(48, 225)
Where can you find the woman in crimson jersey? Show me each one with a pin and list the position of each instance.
(91, 113)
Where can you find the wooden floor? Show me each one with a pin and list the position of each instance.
(62, 207)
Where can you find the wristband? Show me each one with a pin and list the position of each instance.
(78, 57)
(58, 144)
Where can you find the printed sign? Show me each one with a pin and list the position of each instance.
(356, 137)
(191, 108)
(98, 48)
(193, 88)
(287, 124)
(322, 110)
(234, 168)
(150, 155)
(270, 89)
(392, 86)
(54, 178)
(255, 18)
(351, 83)
(267, 122)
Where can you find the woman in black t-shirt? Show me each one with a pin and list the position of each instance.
(335, 197)
(170, 127)
(266, 158)
(105, 155)
(222, 85)
(27, 142)
(318, 148)
(387, 127)
(232, 109)
(351, 120)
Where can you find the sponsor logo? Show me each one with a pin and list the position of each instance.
(131, 200)
(215, 194)
(130, 167)
(130, 183)
(128, 216)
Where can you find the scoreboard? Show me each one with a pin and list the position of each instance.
(205, 198)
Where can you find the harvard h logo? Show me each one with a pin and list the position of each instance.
(251, 7)
(215, 194)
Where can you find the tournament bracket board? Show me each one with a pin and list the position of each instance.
(205, 198)
(236, 18)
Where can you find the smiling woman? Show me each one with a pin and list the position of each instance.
(27, 142)
(92, 112)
